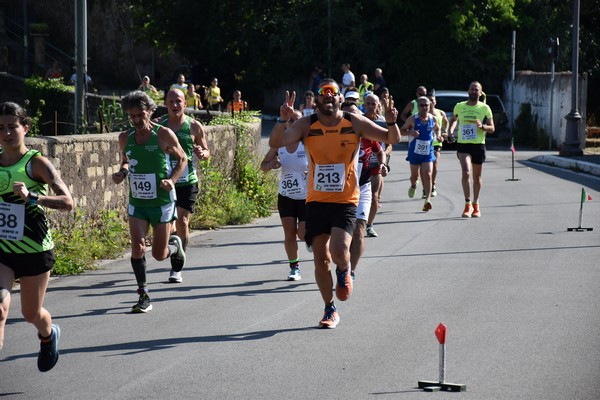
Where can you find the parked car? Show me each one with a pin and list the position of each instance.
(447, 99)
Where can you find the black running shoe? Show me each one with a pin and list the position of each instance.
(177, 259)
(143, 305)
(48, 355)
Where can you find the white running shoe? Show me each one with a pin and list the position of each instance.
(175, 277)
(294, 274)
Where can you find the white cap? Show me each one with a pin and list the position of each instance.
(352, 95)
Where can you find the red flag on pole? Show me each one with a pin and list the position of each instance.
(440, 332)
(585, 196)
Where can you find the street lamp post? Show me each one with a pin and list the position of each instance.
(572, 145)
(80, 63)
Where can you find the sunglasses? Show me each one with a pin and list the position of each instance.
(423, 105)
(325, 90)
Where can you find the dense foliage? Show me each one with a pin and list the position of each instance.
(82, 238)
(44, 98)
(239, 199)
(440, 44)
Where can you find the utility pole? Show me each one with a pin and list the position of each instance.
(572, 145)
(553, 50)
(512, 84)
(80, 63)
(26, 66)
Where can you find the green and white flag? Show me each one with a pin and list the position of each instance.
(584, 196)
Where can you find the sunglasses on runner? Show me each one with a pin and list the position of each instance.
(423, 105)
(324, 90)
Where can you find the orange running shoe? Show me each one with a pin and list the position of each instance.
(330, 318)
(476, 213)
(468, 210)
(427, 206)
(343, 289)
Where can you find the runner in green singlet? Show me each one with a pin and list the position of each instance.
(26, 246)
(192, 138)
(154, 160)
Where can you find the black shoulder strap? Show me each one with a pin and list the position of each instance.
(313, 118)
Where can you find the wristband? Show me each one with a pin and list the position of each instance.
(390, 123)
(32, 198)
(124, 171)
(282, 121)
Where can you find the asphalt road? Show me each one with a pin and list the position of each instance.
(517, 291)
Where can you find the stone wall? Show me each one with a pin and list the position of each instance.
(86, 162)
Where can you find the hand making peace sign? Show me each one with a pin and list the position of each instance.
(287, 108)
(391, 113)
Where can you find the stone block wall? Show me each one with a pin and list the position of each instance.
(86, 163)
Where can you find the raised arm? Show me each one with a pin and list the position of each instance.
(367, 128)
(280, 136)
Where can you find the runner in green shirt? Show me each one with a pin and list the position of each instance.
(474, 123)
(153, 159)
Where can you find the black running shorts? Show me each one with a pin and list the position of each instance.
(477, 151)
(186, 196)
(291, 208)
(321, 217)
(28, 264)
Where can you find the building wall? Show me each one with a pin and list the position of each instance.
(536, 89)
(86, 163)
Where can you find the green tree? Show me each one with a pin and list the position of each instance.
(439, 44)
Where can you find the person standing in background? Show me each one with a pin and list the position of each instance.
(364, 87)
(213, 95)
(237, 104)
(192, 98)
(147, 87)
(308, 107)
(348, 79)
(180, 84)
(379, 82)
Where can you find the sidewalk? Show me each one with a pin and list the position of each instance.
(588, 163)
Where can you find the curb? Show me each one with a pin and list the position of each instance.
(568, 163)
